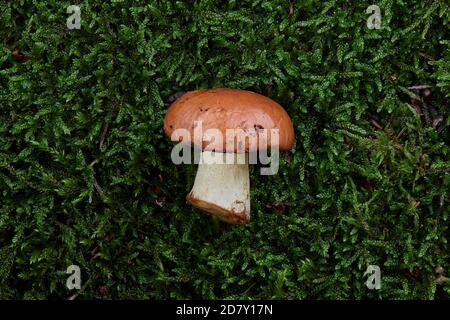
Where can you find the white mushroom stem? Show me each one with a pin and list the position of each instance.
(222, 186)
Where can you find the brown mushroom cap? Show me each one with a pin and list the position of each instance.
(223, 109)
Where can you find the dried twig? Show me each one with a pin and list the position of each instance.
(73, 297)
(400, 134)
(420, 87)
(103, 135)
(98, 188)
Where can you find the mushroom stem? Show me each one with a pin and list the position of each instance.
(222, 188)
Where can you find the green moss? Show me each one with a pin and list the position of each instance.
(85, 170)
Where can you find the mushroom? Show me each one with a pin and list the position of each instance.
(222, 184)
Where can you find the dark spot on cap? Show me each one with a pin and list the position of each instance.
(175, 96)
